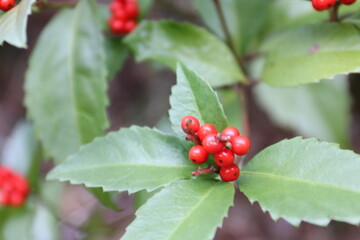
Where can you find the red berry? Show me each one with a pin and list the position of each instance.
(212, 144)
(129, 26)
(224, 158)
(347, 2)
(190, 124)
(131, 9)
(120, 14)
(6, 5)
(21, 185)
(4, 198)
(321, 5)
(230, 173)
(230, 132)
(198, 154)
(115, 6)
(16, 199)
(116, 25)
(206, 129)
(240, 145)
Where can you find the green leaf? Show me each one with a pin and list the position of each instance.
(13, 24)
(44, 225)
(170, 42)
(66, 88)
(20, 148)
(144, 6)
(190, 209)
(232, 104)
(310, 53)
(142, 197)
(305, 180)
(284, 14)
(193, 96)
(116, 54)
(32, 222)
(105, 198)
(317, 110)
(239, 15)
(129, 160)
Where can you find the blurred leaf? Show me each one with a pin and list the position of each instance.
(164, 125)
(32, 222)
(144, 6)
(190, 209)
(45, 226)
(240, 15)
(193, 96)
(13, 24)
(51, 194)
(285, 14)
(318, 110)
(305, 180)
(142, 197)
(310, 53)
(20, 148)
(129, 160)
(18, 225)
(170, 42)
(232, 106)
(105, 198)
(66, 94)
(116, 54)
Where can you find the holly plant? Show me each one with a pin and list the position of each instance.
(292, 57)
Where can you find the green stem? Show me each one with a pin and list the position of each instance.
(242, 89)
(228, 38)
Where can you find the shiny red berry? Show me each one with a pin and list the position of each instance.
(16, 199)
(347, 2)
(240, 145)
(224, 158)
(116, 25)
(115, 6)
(190, 124)
(198, 154)
(4, 198)
(212, 144)
(321, 5)
(129, 26)
(230, 173)
(131, 9)
(6, 5)
(120, 14)
(230, 132)
(206, 129)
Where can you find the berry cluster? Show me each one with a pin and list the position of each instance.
(13, 188)
(321, 5)
(222, 145)
(123, 16)
(6, 5)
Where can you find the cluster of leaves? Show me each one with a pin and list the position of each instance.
(66, 100)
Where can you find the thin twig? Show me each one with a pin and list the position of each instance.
(228, 38)
(334, 13)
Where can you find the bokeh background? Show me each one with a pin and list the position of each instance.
(139, 95)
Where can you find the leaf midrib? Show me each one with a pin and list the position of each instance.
(212, 189)
(286, 178)
(75, 105)
(127, 165)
